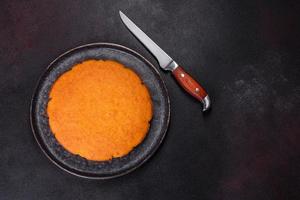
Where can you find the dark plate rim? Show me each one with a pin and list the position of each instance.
(65, 168)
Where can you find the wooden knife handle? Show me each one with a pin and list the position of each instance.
(191, 86)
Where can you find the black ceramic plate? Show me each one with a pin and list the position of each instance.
(118, 166)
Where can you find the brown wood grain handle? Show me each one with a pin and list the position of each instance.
(191, 86)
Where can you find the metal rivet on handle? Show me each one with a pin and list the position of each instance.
(197, 90)
(182, 75)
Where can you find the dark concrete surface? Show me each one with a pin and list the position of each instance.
(246, 54)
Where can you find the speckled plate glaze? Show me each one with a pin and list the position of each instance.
(80, 166)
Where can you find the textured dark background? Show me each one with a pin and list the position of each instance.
(246, 53)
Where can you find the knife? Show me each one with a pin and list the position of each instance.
(189, 84)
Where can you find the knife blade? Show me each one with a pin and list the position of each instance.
(189, 84)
